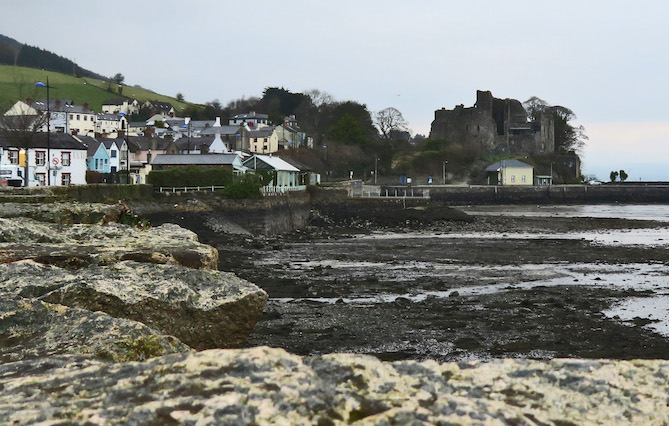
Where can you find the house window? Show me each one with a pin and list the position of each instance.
(523, 178)
(78, 117)
(40, 158)
(13, 155)
(106, 161)
(65, 179)
(41, 178)
(65, 159)
(113, 153)
(71, 116)
(513, 178)
(85, 118)
(97, 163)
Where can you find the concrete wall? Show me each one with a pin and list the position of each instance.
(557, 194)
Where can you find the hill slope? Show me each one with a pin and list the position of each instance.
(13, 52)
(18, 83)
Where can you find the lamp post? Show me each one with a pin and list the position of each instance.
(443, 172)
(376, 168)
(48, 130)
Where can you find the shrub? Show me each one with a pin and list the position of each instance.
(190, 176)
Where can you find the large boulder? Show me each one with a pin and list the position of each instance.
(203, 308)
(33, 329)
(270, 386)
(81, 244)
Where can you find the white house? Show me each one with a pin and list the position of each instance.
(252, 119)
(65, 116)
(117, 149)
(56, 159)
(115, 106)
(109, 125)
(287, 176)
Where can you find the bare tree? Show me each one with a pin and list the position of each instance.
(390, 121)
(312, 110)
(18, 128)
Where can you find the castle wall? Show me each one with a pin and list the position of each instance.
(494, 125)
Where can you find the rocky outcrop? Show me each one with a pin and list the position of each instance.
(32, 329)
(203, 308)
(79, 245)
(64, 212)
(267, 386)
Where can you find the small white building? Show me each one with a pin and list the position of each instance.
(510, 173)
(287, 176)
(115, 106)
(58, 159)
(251, 119)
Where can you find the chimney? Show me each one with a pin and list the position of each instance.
(252, 113)
(218, 122)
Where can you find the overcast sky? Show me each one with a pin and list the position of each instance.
(606, 60)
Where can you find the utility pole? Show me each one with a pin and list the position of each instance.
(376, 168)
(443, 172)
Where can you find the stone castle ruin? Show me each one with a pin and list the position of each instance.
(495, 126)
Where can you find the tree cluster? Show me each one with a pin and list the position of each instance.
(568, 136)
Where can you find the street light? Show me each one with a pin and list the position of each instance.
(48, 130)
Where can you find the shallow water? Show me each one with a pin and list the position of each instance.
(658, 212)
(648, 237)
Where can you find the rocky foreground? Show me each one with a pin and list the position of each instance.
(270, 386)
(100, 323)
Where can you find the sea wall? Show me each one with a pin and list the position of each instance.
(556, 194)
(205, 212)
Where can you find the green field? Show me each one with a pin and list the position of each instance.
(18, 83)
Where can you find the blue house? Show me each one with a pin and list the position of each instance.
(98, 157)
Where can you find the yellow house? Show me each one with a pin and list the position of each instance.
(510, 172)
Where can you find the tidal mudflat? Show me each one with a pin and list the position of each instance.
(534, 282)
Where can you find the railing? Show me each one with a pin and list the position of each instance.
(281, 190)
(189, 188)
(402, 191)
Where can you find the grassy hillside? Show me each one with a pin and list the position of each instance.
(18, 83)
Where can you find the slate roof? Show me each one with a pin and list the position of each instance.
(274, 163)
(57, 141)
(65, 106)
(249, 115)
(263, 132)
(145, 143)
(293, 162)
(116, 101)
(196, 159)
(110, 117)
(182, 142)
(224, 130)
(161, 106)
(508, 163)
(93, 147)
